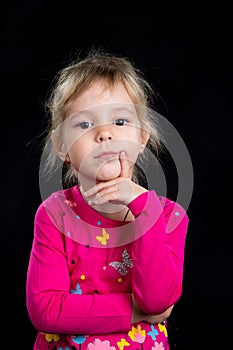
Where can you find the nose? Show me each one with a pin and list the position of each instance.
(104, 134)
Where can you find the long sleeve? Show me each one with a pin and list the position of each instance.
(51, 306)
(158, 253)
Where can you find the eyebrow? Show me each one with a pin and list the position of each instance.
(92, 113)
(123, 109)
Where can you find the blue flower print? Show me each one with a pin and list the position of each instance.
(153, 332)
(79, 339)
(77, 290)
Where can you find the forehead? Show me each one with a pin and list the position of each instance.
(99, 93)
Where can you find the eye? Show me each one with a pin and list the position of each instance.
(84, 125)
(120, 122)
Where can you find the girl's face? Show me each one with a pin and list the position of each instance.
(101, 123)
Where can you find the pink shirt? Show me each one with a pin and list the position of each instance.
(83, 268)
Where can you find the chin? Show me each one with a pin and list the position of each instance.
(109, 171)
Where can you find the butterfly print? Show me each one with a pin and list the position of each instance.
(103, 239)
(71, 204)
(153, 332)
(121, 267)
(77, 290)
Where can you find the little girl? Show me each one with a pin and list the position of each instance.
(106, 263)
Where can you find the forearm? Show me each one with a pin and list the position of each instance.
(64, 313)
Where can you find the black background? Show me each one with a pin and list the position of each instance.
(184, 50)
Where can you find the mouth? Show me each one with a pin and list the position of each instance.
(107, 155)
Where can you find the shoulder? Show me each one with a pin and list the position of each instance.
(56, 204)
(170, 206)
(174, 213)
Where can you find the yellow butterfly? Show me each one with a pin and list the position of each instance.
(103, 239)
(121, 344)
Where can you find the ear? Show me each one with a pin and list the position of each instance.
(145, 135)
(59, 148)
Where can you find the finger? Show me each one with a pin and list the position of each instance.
(105, 197)
(100, 187)
(126, 166)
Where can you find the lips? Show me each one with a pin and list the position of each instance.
(107, 155)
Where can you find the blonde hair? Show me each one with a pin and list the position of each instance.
(75, 78)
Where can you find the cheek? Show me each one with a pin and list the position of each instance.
(76, 154)
(73, 137)
(132, 151)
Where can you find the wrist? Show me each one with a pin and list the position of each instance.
(137, 204)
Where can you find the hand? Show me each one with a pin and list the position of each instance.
(139, 315)
(121, 190)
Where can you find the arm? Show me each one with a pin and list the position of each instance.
(158, 254)
(158, 247)
(51, 306)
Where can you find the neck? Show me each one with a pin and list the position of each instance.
(121, 215)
